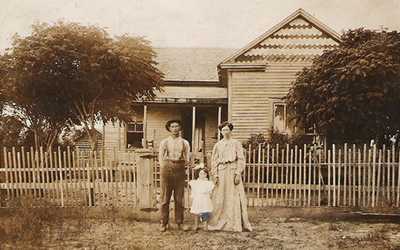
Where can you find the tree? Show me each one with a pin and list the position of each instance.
(352, 93)
(12, 132)
(79, 75)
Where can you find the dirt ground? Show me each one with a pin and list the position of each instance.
(273, 229)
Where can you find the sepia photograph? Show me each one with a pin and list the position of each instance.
(188, 124)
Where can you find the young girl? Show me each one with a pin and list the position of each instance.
(201, 200)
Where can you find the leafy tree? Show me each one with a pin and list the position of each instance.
(12, 132)
(78, 75)
(352, 93)
(70, 135)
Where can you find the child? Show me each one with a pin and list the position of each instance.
(201, 201)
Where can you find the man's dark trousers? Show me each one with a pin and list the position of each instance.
(172, 181)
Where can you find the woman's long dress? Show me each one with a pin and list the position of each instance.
(229, 200)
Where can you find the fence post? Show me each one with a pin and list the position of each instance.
(334, 173)
(345, 154)
(6, 167)
(373, 175)
(319, 177)
(258, 174)
(267, 170)
(287, 176)
(145, 159)
(398, 182)
(60, 175)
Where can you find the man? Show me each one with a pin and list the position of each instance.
(173, 157)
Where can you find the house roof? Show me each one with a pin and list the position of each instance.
(84, 136)
(190, 64)
(299, 37)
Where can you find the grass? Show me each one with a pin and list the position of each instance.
(43, 225)
(29, 220)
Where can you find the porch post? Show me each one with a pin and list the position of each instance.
(219, 121)
(193, 127)
(145, 126)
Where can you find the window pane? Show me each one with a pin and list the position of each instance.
(139, 127)
(131, 127)
(134, 140)
(279, 119)
(135, 127)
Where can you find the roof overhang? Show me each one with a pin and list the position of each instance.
(242, 66)
(182, 101)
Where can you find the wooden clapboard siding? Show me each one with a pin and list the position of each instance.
(114, 138)
(284, 50)
(252, 95)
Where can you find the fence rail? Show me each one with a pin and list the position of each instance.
(341, 176)
(66, 178)
(346, 176)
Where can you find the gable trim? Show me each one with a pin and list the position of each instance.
(297, 13)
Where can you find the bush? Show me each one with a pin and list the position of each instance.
(277, 138)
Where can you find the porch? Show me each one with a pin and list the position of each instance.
(199, 125)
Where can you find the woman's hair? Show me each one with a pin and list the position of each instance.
(224, 124)
(168, 124)
(197, 172)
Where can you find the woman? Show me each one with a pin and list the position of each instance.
(229, 199)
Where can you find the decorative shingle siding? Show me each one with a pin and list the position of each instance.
(284, 50)
(298, 40)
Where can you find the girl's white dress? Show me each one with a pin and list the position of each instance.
(201, 196)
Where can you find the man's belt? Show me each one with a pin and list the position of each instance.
(227, 162)
(175, 161)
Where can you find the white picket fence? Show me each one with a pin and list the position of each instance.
(345, 176)
(66, 178)
(342, 176)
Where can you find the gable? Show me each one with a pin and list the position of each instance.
(300, 37)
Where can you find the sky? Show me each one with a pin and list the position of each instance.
(193, 23)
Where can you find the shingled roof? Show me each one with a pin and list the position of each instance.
(191, 64)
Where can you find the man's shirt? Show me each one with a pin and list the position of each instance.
(175, 149)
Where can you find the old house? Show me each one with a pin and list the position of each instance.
(193, 94)
(206, 86)
(83, 145)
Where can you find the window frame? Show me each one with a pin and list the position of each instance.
(274, 105)
(136, 123)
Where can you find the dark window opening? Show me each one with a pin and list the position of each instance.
(134, 134)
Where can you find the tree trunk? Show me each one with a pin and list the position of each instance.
(36, 138)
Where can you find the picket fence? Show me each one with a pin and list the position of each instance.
(275, 175)
(341, 176)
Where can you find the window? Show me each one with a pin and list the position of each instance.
(134, 134)
(280, 118)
